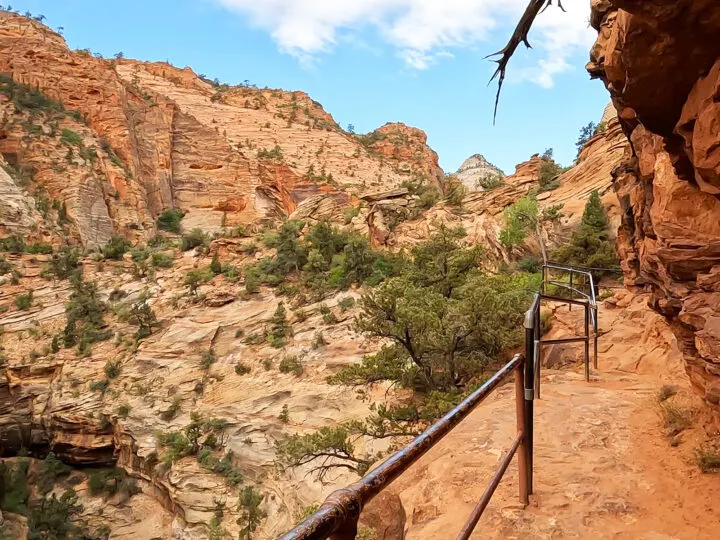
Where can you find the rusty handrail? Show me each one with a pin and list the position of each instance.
(338, 515)
(519, 444)
(490, 491)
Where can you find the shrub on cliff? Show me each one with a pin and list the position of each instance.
(291, 364)
(427, 194)
(586, 133)
(253, 279)
(520, 218)
(71, 138)
(143, 316)
(215, 266)
(25, 97)
(5, 266)
(42, 248)
(300, 450)
(56, 518)
(274, 153)
(326, 258)
(195, 238)
(490, 181)
(446, 319)
(590, 245)
(549, 173)
(455, 191)
(12, 244)
(112, 481)
(24, 301)
(251, 515)
(369, 139)
(161, 260)
(291, 251)
(62, 264)
(170, 219)
(279, 328)
(447, 339)
(116, 247)
(84, 314)
(194, 278)
(48, 472)
(16, 493)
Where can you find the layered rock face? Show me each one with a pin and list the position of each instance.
(164, 137)
(482, 215)
(661, 63)
(474, 170)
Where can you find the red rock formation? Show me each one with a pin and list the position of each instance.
(166, 137)
(661, 63)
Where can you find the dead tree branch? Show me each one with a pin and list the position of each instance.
(520, 35)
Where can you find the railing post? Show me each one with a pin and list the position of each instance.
(571, 290)
(530, 388)
(521, 427)
(587, 341)
(595, 338)
(537, 359)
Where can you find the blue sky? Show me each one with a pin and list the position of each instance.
(372, 61)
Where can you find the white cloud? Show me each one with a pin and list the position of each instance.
(420, 30)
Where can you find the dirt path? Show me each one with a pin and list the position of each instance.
(604, 467)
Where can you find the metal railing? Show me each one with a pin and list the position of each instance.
(585, 291)
(338, 516)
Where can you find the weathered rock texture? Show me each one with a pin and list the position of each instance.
(482, 212)
(661, 63)
(48, 403)
(474, 169)
(137, 138)
(165, 137)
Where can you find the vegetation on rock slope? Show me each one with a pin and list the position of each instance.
(443, 322)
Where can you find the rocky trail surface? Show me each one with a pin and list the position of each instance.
(605, 466)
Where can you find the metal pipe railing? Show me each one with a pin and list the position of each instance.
(490, 491)
(337, 517)
(518, 446)
(589, 303)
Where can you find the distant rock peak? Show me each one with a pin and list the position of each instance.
(474, 169)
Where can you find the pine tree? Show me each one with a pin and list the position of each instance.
(594, 215)
(589, 245)
(215, 266)
(278, 323)
(143, 316)
(251, 515)
(586, 133)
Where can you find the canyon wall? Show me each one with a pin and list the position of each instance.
(661, 64)
(153, 136)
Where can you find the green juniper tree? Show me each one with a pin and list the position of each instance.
(84, 314)
(590, 244)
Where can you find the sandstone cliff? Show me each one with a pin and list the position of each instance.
(482, 211)
(474, 170)
(92, 148)
(661, 63)
(162, 137)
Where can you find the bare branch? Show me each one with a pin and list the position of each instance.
(520, 35)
